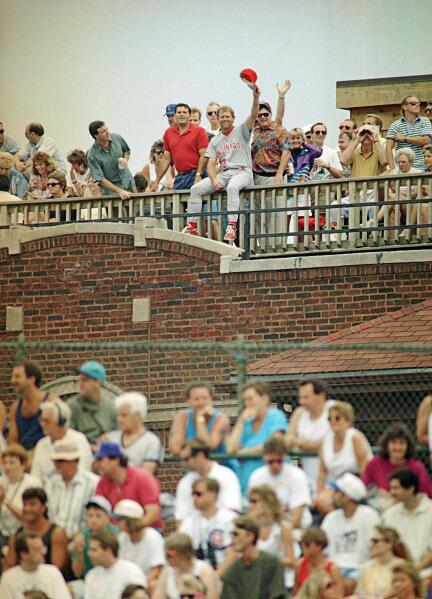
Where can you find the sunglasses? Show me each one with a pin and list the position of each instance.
(187, 595)
(197, 493)
(414, 103)
(275, 461)
(320, 132)
(159, 152)
(345, 127)
(2, 130)
(51, 184)
(263, 115)
(212, 113)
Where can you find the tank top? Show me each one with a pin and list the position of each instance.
(46, 539)
(172, 591)
(430, 431)
(29, 429)
(345, 460)
(191, 430)
(274, 544)
(304, 570)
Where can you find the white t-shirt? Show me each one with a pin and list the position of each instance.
(210, 536)
(291, 486)
(147, 553)
(332, 157)
(415, 526)
(350, 538)
(46, 578)
(9, 523)
(232, 150)
(145, 448)
(43, 466)
(229, 493)
(109, 583)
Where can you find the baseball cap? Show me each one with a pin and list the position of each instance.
(94, 370)
(307, 128)
(101, 502)
(108, 449)
(351, 486)
(265, 105)
(65, 450)
(249, 75)
(170, 110)
(127, 508)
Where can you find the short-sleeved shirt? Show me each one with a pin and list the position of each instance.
(86, 533)
(145, 448)
(103, 163)
(139, 485)
(147, 553)
(421, 126)
(184, 147)
(366, 166)
(232, 149)
(48, 145)
(9, 145)
(92, 419)
(18, 184)
(267, 147)
(263, 579)
(274, 421)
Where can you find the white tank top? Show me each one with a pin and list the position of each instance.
(345, 460)
(274, 545)
(171, 588)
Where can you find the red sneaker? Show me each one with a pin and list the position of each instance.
(230, 232)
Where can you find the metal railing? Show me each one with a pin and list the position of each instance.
(329, 215)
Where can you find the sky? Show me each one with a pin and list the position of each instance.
(65, 63)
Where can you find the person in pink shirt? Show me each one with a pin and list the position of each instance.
(397, 450)
(120, 481)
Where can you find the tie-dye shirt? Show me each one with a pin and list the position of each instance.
(267, 147)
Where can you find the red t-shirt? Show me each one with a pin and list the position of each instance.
(378, 470)
(185, 148)
(139, 485)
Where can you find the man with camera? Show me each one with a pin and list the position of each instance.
(365, 154)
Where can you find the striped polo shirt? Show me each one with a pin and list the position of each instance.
(421, 126)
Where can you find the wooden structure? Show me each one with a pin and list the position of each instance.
(381, 96)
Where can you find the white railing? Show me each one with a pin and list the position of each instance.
(315, 216)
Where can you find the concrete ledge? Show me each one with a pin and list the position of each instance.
(232, 265)
(201, 243)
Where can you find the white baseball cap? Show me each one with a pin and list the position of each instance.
(351, 486)
(127, 508)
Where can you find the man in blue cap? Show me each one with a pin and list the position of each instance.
(170, 111)
(92, 413)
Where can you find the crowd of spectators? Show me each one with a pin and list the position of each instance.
(225, 156)
(82, 515)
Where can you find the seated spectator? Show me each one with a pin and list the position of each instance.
(13, 482)
(18, 183)
(108, 161)
(209, 526)
(24, 424)
(93, 414)
(181, 560)
(98, 514)
(275, 535)
(255, 574)
(406, 583)
(120, 481)
(397, 450)
(411, 516)
(39, 142)
(257, 423)
(191, 587)
(289, 483)
(34, 517)
(309, 424)
(138, 543)
(69, 489)
(313, 543)
(141, 446)
(79, 181)
(31, 572)
(42, 166)
(54, 420)
(7, 144)
(134, 591)
(320, 586)
(141, 183)
(110, 574)
(196, 456)
(329, 159)
(387, 550)
(349, 528)
(344, 140)
(56, 186)
(343, 449)
(150, 169)
(424, 421)
(427, 157)
(201, 420)
(5, 196)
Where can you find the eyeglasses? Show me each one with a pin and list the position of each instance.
(263, 115)
(2, 130)
(320, 132)
(52, 184)
(275, 461)
(212, 113)
(197, 493)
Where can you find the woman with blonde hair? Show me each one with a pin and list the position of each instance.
(406, 583)
(275, 535)
(42, 166)
(320, 586)
(387, 550)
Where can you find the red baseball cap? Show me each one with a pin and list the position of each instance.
(249, 75)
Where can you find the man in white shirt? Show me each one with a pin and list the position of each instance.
(110, 575)
(39, 142)
(411, 516)
(288, 481)
(54, 421)
(196, 454)
(32, 573)
(349, 528)
(69, 489)
(209, 526)
(329, 159)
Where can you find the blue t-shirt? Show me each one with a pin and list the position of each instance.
(274, 421)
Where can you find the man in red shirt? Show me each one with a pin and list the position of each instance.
(185, 146)
(120, 481)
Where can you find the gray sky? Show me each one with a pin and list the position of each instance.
(65, 63)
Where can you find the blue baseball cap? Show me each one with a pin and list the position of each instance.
(94, 370)
(108, 449)
(170, 110)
